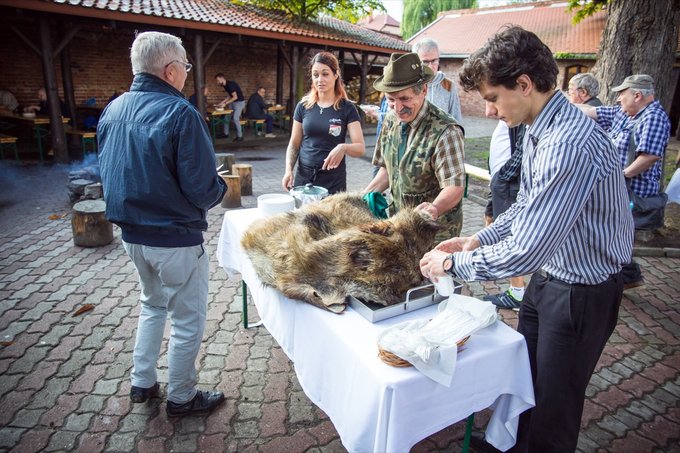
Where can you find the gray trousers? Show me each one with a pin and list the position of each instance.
(174, 282)
(238, 107)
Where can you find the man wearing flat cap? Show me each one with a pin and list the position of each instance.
(420, 147)
(638, 112)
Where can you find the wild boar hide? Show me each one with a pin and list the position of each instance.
(336, 247)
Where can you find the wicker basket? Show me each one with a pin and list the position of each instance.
(396, 361)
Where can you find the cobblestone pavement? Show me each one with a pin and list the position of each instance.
(64, 378)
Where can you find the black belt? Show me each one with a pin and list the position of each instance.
(548, 276)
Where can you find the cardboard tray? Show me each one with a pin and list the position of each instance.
(416, 298)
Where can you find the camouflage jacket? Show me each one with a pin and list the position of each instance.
(413, 179)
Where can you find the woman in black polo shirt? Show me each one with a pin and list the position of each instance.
(320, 125)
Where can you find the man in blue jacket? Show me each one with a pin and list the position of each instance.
(158, 171)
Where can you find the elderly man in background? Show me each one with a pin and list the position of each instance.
(583, 89)
(158, 171)
(441, 91)
(420, 149)
(640, 117)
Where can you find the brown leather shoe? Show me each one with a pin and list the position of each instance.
(203, 403)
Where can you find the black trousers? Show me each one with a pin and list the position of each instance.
(566, 327)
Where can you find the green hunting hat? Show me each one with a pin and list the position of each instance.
(637, 81)
(403, 71)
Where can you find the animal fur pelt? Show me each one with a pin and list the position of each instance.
(328, 250)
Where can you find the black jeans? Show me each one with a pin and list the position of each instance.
(566, 327)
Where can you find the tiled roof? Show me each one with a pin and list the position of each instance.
(462, 32)
(383, 23)
(217, 15)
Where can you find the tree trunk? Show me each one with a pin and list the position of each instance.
(640, 37)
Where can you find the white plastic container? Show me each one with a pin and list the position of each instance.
(275, 203)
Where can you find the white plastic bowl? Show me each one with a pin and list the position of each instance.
(275, 203)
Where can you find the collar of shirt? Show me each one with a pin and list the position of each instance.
(649, 108)
(419, 117)
(545, 117)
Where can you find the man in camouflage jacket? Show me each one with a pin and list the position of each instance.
(420, 147)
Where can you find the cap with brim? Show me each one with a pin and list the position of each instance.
(637, 81)
(403, 71)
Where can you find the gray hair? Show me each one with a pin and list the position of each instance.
(417, 89)
(152, 51)
(644, 92)
(425, 45)
(586, 81)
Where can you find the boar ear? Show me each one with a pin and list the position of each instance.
(383, 228)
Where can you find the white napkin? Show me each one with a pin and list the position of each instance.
(431, 345)
(445, 285)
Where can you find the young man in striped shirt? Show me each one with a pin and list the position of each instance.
(571, 227)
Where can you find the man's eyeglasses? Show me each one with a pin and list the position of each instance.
(433, 61)
(187, 66)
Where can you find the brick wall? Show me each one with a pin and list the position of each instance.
(100, 63)
(472, 103)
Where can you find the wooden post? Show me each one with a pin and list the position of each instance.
(56, 126)
(90, 227)
(232, 199)
(226, 160)
(199, 74)
(245, 171)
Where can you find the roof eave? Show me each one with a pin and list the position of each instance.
(47, 7)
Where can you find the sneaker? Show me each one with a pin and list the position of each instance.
(238, 139)
(203, 403)
(270, 135)
(141, 394)
(504, 300)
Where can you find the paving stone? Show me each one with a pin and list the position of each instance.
(78, 360)
(28, 361)
(120, 442)
(248, 411)
(92, 403)
(27, 418)
(135, 423)
(55, 335)
(47, 396)
(106, 387)
(10, 437)
(184, 443)
(62, 441)
(247, 429)
(78, 422)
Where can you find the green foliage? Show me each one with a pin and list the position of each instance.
(573, 56)
(419, 13)
(586, 9)
(301, 10)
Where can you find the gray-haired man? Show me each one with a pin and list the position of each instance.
(158, 171)
(583, 89)
(441, 91)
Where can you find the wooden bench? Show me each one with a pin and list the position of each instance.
(8, 141)
(479, 173)
(257, 125)
(87, 139)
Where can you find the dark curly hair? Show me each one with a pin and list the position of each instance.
(511, 52)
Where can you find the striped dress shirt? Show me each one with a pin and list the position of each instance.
(571, 219)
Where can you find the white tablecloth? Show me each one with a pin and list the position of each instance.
(373, 406)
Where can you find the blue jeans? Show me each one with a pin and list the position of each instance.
(174, 282)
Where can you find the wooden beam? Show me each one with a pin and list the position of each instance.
(69, 96)
(362, 81)
(286, 58)
(356, 60)
(279, 74)
(65, 40)
(211, 50)
(23, 38)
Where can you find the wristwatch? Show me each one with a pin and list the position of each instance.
(447, 265)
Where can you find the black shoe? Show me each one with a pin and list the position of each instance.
(480, 445)
(504, 300)
(238, 139)
(140, 394)
(203, 403)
